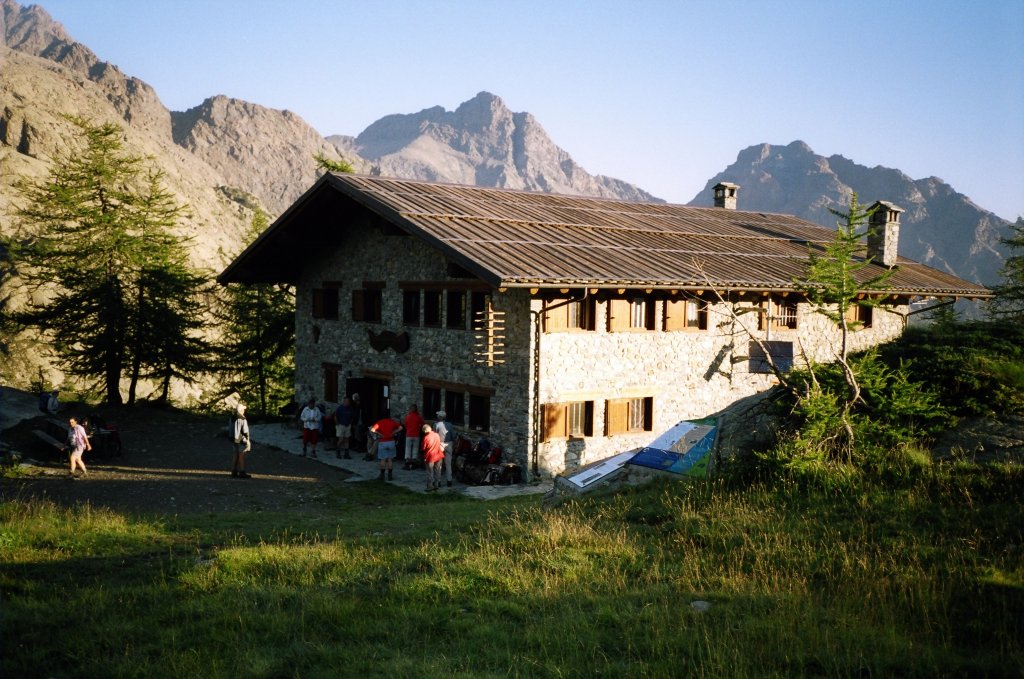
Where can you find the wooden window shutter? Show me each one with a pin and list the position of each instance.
(358, 305)
(616, 418)
(556, 320)
(675, 314)
(618, 314)
(554, 421)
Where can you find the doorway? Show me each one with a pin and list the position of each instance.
(374, 394)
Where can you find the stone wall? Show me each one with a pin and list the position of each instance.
(690, 374)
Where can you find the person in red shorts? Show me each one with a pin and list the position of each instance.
(311, 418)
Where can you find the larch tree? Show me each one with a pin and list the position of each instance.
(832, 287)
(97, 252)
(257, 337)
(1009, 301)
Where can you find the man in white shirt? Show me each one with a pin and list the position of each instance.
(311, 418)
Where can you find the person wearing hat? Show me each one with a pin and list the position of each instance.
(240, 437)
(446, 432)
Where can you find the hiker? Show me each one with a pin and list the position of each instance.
(386, 429)
(49, 404)
(78, 442)
(433, 457)
(413, 425)
(242, 444)
(446, 432)
(311, 418)
(343, 427)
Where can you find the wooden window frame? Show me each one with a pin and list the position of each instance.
(687, 314)
(779, 314)
(325, 303)
(566, 316)
(558, 420)
(629, 415)
(859, 316)
(478, 412)
(368, 304)
(622, 313)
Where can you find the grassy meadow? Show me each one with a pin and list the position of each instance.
(921, 581)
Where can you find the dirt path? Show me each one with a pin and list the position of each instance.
(173, 463)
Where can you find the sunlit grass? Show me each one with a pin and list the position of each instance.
(917, 582)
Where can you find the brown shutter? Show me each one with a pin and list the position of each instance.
(554, 421)
(616, 418)
(618, 315)
(675, 314)
(556, 320)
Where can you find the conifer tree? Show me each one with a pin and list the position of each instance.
(258, 337)
(1009, 301)
(832, 287)
(97, 252)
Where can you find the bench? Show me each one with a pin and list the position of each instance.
(49, 440)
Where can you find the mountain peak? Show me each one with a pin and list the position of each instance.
(940, 227)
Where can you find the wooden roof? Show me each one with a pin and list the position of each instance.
(541, 240)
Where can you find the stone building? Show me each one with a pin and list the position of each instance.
(565, 329)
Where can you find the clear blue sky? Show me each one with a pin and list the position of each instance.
(662, 94)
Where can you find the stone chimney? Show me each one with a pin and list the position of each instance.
(725, 195)
(884, 233)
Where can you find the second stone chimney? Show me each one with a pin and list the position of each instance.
(884, 233)
(725, 195)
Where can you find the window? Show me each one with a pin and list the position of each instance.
(630, 314)
(455, 406)
(432, 401)
(629, 415)
(779, 314)
(479, 412)
(367, 303)
(411, 307)
(564, 315)
(858, 316)
(567, 420)
(456, 311)
(465, 404)
(686, 314)
(479, 304)
(432, 308)
(330, 382)
(325, 303)
(781, 354)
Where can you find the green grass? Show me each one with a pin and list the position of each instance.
(924, 581)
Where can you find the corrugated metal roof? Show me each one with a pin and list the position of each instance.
(523, 239)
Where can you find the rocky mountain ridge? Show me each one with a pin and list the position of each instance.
(940, 227)
(225, 156)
